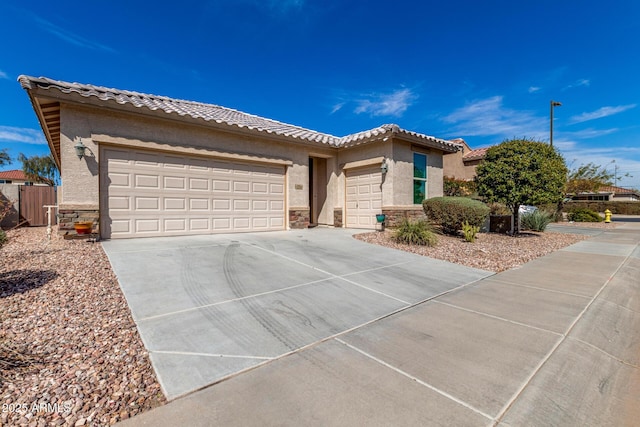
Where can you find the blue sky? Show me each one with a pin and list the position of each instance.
(482, 71)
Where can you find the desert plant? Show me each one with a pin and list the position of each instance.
(536, 221)
(469, 232)
(415, 233)
(450, 212)
(584, 215)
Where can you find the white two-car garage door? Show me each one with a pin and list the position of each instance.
(364, 197)
(155, 194)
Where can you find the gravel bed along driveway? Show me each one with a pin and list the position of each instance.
(70, 353)
(491, 251)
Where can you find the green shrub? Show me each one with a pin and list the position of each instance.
(469, 231)
(584, 215)
(3, 238)
(536, 221)
(450, 212)
(415, 233)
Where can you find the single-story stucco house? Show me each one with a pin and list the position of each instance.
(157, 166)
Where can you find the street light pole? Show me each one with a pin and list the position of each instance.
(553, 104)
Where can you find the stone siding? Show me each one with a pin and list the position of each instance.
(67, 217)
(299, 218)
(337, 217)
(396, 214)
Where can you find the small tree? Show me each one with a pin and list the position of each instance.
(5, 159)
(587, 179)
(39, 168)
(522, 172)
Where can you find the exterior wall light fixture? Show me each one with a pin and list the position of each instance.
(80, 149)
(384, 168)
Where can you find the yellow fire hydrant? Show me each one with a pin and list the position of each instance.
(607, 216)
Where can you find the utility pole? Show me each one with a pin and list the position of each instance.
(553, 104)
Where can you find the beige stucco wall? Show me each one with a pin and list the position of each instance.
(403, 173)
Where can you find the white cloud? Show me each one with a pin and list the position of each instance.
(69, 36)
(386, 104)
(22, 135)
(337, 107)
(4, 75)
(590, 133)
(533, 89)
(578, 83)
(600, 112)
(488, 117)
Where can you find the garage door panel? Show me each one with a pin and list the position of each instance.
(241, 186)
(199, 224)
(221, 224)
(241, 224)
(154, 194)
(276, 189)
(174, 183)
(199, 184)
(147, 203)
(175, 224)
(241, 205)
(221, 205)
(198, 204)
(120, 203)
(148, 225)
(146, 181)
(221, 185)
(120, 180)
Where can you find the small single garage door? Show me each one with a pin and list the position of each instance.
(364, 197)
(155, 194)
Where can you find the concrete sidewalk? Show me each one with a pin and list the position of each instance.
(555, 342)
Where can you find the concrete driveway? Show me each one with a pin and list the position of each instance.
(208, 307)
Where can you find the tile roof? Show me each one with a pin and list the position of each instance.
(614, 189)
(13, 174)
(221, 115)
(476, 154)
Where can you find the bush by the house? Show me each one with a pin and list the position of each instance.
(415, 233)
(536, 221)
(450, 212)
(584, 215)
(469, 232)
(617, 207)
(458, 187)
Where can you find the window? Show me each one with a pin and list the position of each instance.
(5, 181)
(419, 178)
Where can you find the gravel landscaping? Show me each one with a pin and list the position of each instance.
(70, 353)
(491, 251)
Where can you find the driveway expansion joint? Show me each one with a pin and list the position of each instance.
(417, 380)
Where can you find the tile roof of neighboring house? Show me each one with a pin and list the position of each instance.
(13, 174)
(476, 154)
(616, 190)
(210, 113)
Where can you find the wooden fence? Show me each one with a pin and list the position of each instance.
(32, 200)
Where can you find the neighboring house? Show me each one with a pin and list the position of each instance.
(156, 166)
(610, 193)
(463, 163)
(14, 177)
